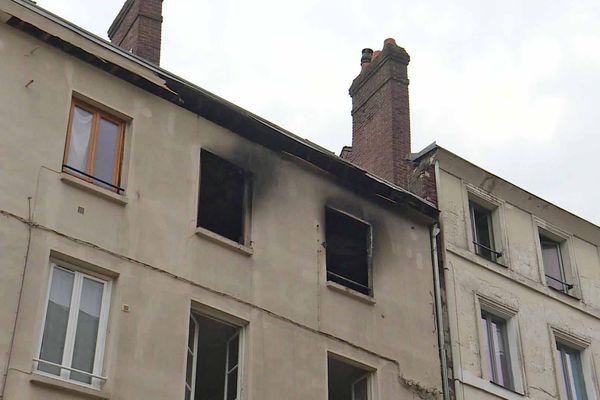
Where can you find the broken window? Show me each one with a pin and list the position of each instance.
(222, 201)
(213, 355)
(483, 232)
(346, 381)
(348, 251)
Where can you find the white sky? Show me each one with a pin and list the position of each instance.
(511, 85)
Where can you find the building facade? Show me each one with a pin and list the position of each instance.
(520, 277)
(158, 242)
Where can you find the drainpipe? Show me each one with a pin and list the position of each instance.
(435, 230)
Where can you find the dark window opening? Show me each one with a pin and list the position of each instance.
(346, 381)
(348, 251)
(222, 197)
(212, 360)
(483, 233)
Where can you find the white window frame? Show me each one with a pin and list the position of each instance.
(240, 334)
(509, 314)
(370, 374)
(65, 368)
(581, 344)
(565, 241)
(499, 232)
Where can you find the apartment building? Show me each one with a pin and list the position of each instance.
(159, 242)
(520, 276)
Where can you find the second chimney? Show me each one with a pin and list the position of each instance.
(137, 28)
(380, 114)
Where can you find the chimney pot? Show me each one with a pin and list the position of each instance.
(367, 55)
(390, 41)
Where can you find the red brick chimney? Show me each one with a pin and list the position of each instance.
(380, 114)
(137, 28)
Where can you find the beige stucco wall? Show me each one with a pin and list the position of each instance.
(160, 267)
(518, 285)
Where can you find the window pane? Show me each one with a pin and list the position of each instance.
(232, 353)
(360, 390)
(57, 318)
(572, 372)
(87, 329)
(501, 354)
(232, 385)
(552, 264)
(486, 346)
(79, 143)
(482, 231)
(106, 151)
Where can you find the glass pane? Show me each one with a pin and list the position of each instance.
(232, 385)
(57, 318)
(360, 390)
(233, 353)
(552, 264)
(79, 142)
(501, 359)
(188, 394)
(106, 151)
(486, 346)
(86, 336)
(189, 370)
(191, 334)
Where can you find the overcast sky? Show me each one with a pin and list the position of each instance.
(511, 85)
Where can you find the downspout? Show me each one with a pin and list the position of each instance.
(435, 230)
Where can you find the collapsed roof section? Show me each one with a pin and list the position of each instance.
(59, 33)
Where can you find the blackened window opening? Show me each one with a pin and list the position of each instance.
(347, 251)
(221, 204)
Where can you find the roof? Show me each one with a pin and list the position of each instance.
(581, 227)
(64, 35)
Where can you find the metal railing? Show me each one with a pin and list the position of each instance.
(350, 281)
(117, 188)
(37, 360)
(496, 253)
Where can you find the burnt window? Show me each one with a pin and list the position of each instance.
(222, 200)
(348, 249)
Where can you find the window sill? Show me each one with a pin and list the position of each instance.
(350, 292)
(563, 293)
(491, 387)
(61, 385)
(223, 241)
(94, 189)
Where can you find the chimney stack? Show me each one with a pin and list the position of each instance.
(137, 28)
(380, 114)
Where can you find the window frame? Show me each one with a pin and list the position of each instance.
(202, 311)
(509, 314)
(97, 380)
(565, 338)
(564, 241)
(479, 198)
(371, 291)
(97, 115)
(370, 373)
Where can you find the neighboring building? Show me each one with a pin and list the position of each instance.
(158, 242)
(521, 276)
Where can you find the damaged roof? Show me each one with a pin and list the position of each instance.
(62, 34)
